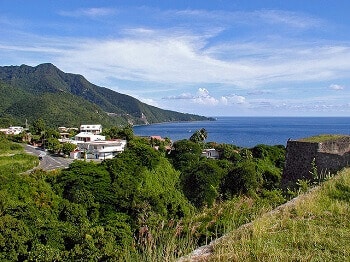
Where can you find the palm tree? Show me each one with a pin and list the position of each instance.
(199, 135)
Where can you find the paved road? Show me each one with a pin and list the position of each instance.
(48, 161)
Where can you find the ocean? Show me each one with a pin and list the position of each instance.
(250, 131)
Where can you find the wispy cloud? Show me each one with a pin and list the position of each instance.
(336, 87)
(202, 96)
(291, 19)
(164, 58)
(180, 60)
(206, 49)
(89, 12)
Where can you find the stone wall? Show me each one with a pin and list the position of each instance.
(329, 156)
(339, 146)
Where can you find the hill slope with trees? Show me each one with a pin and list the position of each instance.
(68, 99)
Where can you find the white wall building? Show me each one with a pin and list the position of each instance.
(99, 149)
(95, 129)
(88, 137)
(13, 130)
(210, 153)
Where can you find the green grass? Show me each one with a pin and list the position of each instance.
(321, 138)
(315, 228)
(172, 240)
(13, 160)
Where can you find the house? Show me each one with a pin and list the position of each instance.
(95, 129)
(92, 145)
(99, 149)
(210, 153)
(67, 129)
(88, 137)
(13, 130)
(159, 138)
(75, 154)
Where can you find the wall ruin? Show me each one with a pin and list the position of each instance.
(327, 156)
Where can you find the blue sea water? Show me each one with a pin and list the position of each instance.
(251, 131)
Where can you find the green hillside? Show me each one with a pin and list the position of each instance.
(314, 227)
(69, 99)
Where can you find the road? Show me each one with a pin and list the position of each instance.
(48, 161)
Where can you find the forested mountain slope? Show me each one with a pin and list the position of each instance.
(69, 99)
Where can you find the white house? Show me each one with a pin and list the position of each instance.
(92, 145)
(210, 153)
(13, 130)
(99, 149)
(95, 129)
(88, 137)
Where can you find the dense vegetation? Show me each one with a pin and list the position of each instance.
(145, 204)
(63, 99)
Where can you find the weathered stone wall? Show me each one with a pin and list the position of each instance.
(339, 146)
(332, 163)
(299, 157)
(329, 156)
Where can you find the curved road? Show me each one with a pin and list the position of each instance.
(48, 161)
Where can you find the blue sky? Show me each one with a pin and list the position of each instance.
(213, 58)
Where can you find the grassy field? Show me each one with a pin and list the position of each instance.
(321, 138)
(13, 160)
(316, 227)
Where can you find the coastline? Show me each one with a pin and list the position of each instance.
(250, 131)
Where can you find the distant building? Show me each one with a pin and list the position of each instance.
(210, 153)
(95, 129)
(159, 138)
(63, 129)
(12, 130)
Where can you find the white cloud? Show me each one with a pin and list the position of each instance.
(165, 58)
(178, 55)
(336, 87)
(181, 96)
(202, 92)
(288, 18)
(181, 55)
(201, 97)
(233, 99)
(89, 12)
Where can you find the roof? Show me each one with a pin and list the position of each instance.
(87, 134)
(157, 137)
(107, 142)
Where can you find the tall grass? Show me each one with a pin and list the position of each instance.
(172, 240)
(13, 160)
(314, 228)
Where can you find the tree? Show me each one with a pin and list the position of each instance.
(111, 133)
(15, 237)
(274, 154)
(53, 145)
(242, 179)
(185, 153)
(52, 133)
(126, 133)
(199, 135)
(229, 152)
(201, 183)
(38, 127)
(68, 147)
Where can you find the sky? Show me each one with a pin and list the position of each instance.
(206, 57)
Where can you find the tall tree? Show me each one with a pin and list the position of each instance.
(199, 135)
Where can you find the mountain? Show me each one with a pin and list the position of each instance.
(68, 99)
